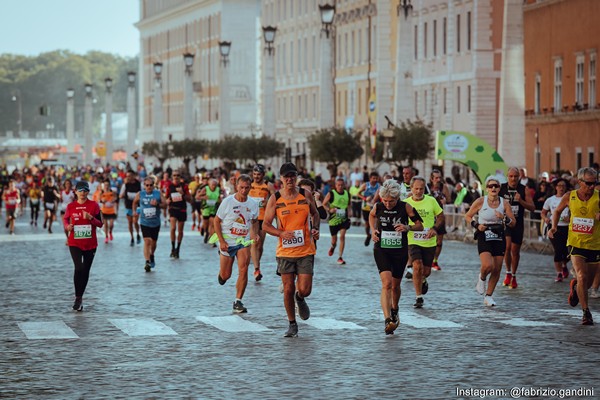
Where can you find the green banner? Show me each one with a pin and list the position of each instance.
(471, 151)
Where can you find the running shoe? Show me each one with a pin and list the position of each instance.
(418, 303)
(221, 280)
(172, 255)
(257, 275)
(341, 261)
(394, 316)
(409, 273)
(238, 307)
(176, 254)
(424, 286)
(193, 226)
(31, 223)
(78, 305)
(594, 293)
(45, 224)
(573, 298)
(489, 301)
(106, 239)
(331, 250)
(513, 282)
(206, 238)
(152, 264)
(390, 326)
(436, 266)
(147, 266)
(507, 279)
(303, 310)
(132, 242)
(367, 240)
(565, 272)
(139, 239)
(111, 236)
(292, 330)
(49, 230)
(480, 287)
(587, 317)
(559, 277)
(281, 287)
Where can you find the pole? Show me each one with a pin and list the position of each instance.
(188, 102)
(70, 124)
(87, 129)
(109, 129)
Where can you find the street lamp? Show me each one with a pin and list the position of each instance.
(87, 123)
(406, 6)
(327, 88)
(131, 121)
(108, 82)
(157, 120)
(70, 120)
(327, 13)
(188, 99)
(269, 37)
(16, 97)
(224, 49)
(224, 111)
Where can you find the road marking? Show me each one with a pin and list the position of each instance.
(232, 323)
(575, 313)
(420, 321)
(47, 330)
(329, 323)
(525, 322)
(142, 327)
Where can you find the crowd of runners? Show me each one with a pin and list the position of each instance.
(403, 217)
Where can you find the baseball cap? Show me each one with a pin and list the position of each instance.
(259, 168)
(288, 168)
(82, 186)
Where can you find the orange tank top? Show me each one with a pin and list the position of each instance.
(108, 202)
(294, 215)
(260, 194)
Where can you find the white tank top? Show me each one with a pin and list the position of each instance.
(487, 214)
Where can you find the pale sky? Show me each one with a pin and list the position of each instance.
(31, 27)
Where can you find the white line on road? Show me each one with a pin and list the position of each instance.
(420, 321)
(329, 323)
(525, 322)
(575, 313)
(47, 330)
(142, 327)
(232, 323)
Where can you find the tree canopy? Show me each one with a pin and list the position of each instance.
(335, 146)
(411, 141)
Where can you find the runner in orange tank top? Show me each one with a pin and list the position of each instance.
(260, 190)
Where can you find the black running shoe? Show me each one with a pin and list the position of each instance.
(132, 242)
(206, 238)
(172, 255)
(573, 297)
(303, 310)
(390, 326)
(367, 240)
(148, 266)
(418, 303)
(394, 316)
(257, 275)
(78, 305)
(424, 286)
(238, 307)
(176, 254)
(221, 280)
(292, 330)
(139, 239)
(587, 317)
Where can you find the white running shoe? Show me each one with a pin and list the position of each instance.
(594, 293)
(489, 301)
(480, 287)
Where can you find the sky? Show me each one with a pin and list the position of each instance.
(31, 27)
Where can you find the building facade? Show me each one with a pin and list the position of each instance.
(562, 39)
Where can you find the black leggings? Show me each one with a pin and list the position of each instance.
(83, 263)
(35, 211)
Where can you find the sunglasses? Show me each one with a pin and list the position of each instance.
(588, 183)
(148, 185)
(176, 176)
(493, 186)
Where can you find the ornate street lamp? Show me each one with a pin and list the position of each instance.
(158, 69)
(269, 37)
(406, 6)
(327, 14)
(188, 59)
(70, 120)
(188, 98)
(108, 82)
(131, 78)
(131, 122)
(224, 49)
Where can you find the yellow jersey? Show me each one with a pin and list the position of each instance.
(584, 229)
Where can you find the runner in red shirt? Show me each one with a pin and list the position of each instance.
(11, 198)
(82, 217)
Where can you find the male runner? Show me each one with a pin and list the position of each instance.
(260, 190)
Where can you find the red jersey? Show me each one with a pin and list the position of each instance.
(12, 198)
(163, 185)
(83, 234)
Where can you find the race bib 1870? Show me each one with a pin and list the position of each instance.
(82, 231)
(583, 225)
(296, 241)
(391, 240)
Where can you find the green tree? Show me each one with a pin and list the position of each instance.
(256, 149)
(189, 149)
(411, 141)
(335, 146)
(161, 151)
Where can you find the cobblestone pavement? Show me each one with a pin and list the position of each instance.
(171, 333)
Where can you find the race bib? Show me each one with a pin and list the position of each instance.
(489, 236)
(108, 204)
(391, 240)
(583, 225)
(12, 202)
(149, 212)
(421, 235)
(340, 213)
(49, 206)
(515, 210)
(211, 203)
(259, 200)
(82, 231)
(131, 195)
(35, 202)
(296, 241)
(176, 196)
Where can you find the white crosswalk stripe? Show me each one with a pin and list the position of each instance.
(232, 323)
(420, 321)
(47, 330)
(142, 327)
(330, 323)
(525, 322)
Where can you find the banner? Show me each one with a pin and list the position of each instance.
(471, 151)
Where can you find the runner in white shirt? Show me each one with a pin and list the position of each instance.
(559, 241)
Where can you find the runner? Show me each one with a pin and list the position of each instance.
(12, 199)
(519, 199)
(178, 195)
(337, 201)
(108, 208)
(163, 185)
(298, 224)
(368, 191)
(494, 213)
(129, 190)
(422, 245)
(35, 194)
(559, 241)
(67, 196)
(408, 173)
(50, 196)
(356, 202)
(150, 201)
(197, 205)
(260, 190)
(211, 196)
(235, 223)
(440, 192)
(389, 225)
(193, 187)
(81, 218)
(583, 238)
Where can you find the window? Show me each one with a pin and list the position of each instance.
(444, 35)
(458, 99)
(557, 85)
(578, 158)
(291, 71)
(353, 47)
(557, 158)
(416, 103)
(359, 37)
(592, 81)
(425, 102)
(579, 79)
(445, 102)
(425, 40)
(434, 37)
(591, 155)
(538, 88)
(416, 42)
(469, 30)
(468, 98)
(458, 33)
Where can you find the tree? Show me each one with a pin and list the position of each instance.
(411, 141)
(335, 146)
(160, 151)
(189, 149)
(256, 149)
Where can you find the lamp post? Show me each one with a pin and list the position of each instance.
(188, 98)
(109, 131)
(16, 97)
(131, 121)
(269, 84)
(327, 92)
(157, 114)
(87, 123)
(70, 120)
(224, 112)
